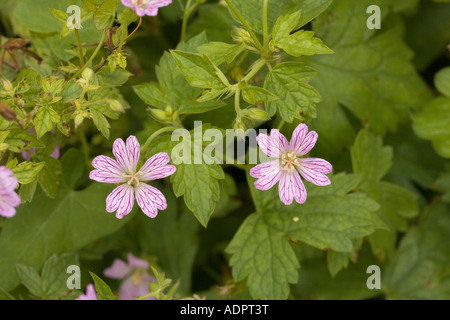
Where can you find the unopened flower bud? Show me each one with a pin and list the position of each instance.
(7, 84)
(158, 114)
(115, 105)
(257, 114)
(87, 74)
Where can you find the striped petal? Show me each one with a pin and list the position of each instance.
(134, 151)
(127, 155)
(121, 200)
(305, 146)
(268, 174)
(291, 187)
(156, 167)
(314, 169)
(108, 170)
(150, 199)
(274, 145)
(298, 136)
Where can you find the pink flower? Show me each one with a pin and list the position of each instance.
(26, 154)
(9, 199)
(146, 7)
(290, 164)
(90, 293)
(55, 154)
(134, 273)
(124, 171)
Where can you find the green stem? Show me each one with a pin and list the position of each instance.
(237, 101)
(84, 146)
(154, 135)
(265, 27)
(96, 51)
(281, 124)
(256, 67)
(80, 47)
(246, 25)
(186, 14)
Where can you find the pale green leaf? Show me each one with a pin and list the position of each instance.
(297, 99)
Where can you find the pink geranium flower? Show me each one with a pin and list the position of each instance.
(146, 7)
(290, 164)
(125, 172)
(135, 277)
(90, 293)
(9, 199)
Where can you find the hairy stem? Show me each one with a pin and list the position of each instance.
(154, 135)
(246, 25)
(187, 12)
(265, 27)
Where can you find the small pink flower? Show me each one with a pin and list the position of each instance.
(90, 293)
(146, 7)
(125, 172)
(55, 154)
(9, 199)
(27, 154)
(134, 273)
(290, 164)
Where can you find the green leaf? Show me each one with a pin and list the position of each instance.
(252, 11)
(27, 191)
(104, 13)
(172, 237)
(427, 32)
(331, 218)
(420, 267)
(215, 20)
(173, 89)
(303, 43)
(396, 206)
(151, 94)
(27, 171)
(100, 120)
(252, 95)
(370, 158)
(370, 75)
(338, 261)
(20, 139)
(104, 292)
(261, 252)
(316, 283)
(199, 70)
(195, 178)
(442, 81)
(54, 275)
(298, 99)
(433, 123)
(443, 185)
(51, 283)
(49, 176)
(30, 278)
(198, 183)
(32, 14)
(220, 52)
(44, 119)
(64, 224)
(284, 26)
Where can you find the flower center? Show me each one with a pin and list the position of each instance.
(288, 161)
(134, 177)
(137, 277)
(142, 4)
